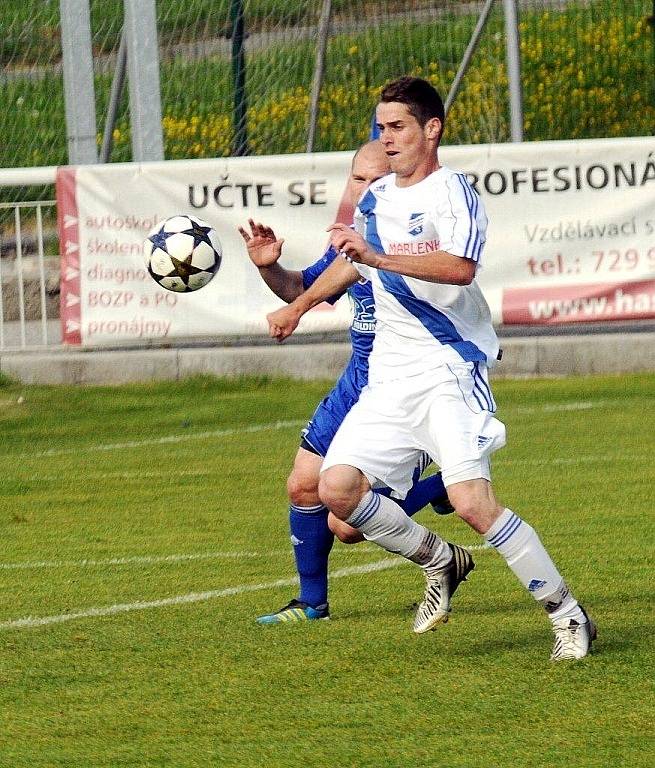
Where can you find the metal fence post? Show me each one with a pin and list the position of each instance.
(468, 55)
(240, 137)
(513, 55)
(319, 71)
(651, 21)
(114, 100)
(79, 93)
(143, 72)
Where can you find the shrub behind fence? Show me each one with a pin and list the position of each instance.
(587, 71)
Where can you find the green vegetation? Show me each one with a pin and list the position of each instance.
(113, 496)
(573, 59)
(30, 30)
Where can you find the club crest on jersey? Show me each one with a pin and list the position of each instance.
(416, 223)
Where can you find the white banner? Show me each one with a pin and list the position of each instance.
(571, 236)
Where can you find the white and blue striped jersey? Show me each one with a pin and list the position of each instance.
(422, 325)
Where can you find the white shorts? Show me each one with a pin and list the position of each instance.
(447, 412)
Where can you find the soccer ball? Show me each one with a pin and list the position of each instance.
(182, 253)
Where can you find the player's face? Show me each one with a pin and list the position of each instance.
(369, 166)
(409, 147)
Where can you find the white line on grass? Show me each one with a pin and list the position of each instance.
(571, 460)
(135, 560)
(197, 597)
(35, 565)
(166, 439)
(179, 438)
(583, 405)
(133, 475)
(172, 474)
(193, 597)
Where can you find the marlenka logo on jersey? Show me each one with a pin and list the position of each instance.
(415, 226)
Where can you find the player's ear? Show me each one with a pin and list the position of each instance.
(433, 128)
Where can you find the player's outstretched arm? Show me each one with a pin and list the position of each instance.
(264, 250)
(339, 276)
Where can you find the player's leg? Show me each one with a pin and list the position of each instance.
(428, 490)
(381, 520)
(465, 465)
(516, 541)
(311, 536)
(312, 541)
(388, 454)
(347, 492)
(344, 532)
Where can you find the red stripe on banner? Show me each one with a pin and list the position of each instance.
(69, 247)
(579, 303)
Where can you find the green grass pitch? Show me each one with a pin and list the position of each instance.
(144, 527)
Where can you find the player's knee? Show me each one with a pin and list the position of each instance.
(302, 488)
(339, 489)
(478, 513)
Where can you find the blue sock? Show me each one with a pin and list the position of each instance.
(312, 541)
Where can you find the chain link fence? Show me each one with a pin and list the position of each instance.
(587, 71)
(238, 74)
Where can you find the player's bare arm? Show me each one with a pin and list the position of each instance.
(433, 267)
(264, 249)
(339, 276)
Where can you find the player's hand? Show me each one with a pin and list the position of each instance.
(283, 322)
(263, 246)
(352, 245)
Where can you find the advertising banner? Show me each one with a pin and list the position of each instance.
(571, 236)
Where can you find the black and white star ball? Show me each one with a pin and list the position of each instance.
(182, 253)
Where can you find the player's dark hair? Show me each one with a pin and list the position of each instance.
(421, 98)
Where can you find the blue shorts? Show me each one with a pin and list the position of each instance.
(327, 418)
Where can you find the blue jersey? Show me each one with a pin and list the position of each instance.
(362, 328)
(333, 409)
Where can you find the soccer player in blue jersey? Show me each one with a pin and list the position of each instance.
(312, 528)
(419, 237)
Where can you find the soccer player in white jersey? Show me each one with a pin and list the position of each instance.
(312, 529)
(419, 238)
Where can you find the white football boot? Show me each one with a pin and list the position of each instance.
(573, 639)
(440, 587)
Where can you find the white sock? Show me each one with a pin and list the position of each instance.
(384, 523)
(519, 544)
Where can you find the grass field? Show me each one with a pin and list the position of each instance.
(144, 528)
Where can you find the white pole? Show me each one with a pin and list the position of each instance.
(513, 56)
(143, 72)
(79, 93)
